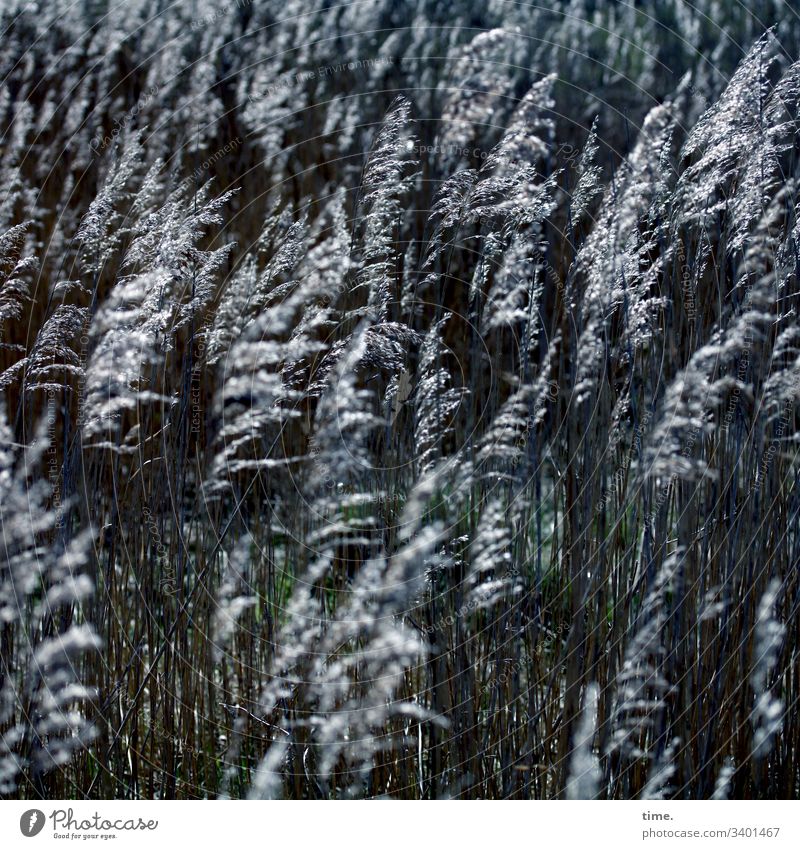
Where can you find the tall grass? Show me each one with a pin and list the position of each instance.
(400, 400)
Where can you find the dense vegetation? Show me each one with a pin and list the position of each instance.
(400, 399)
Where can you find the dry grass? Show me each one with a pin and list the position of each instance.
(375, 467)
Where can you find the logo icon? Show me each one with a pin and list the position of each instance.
(31, 822)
